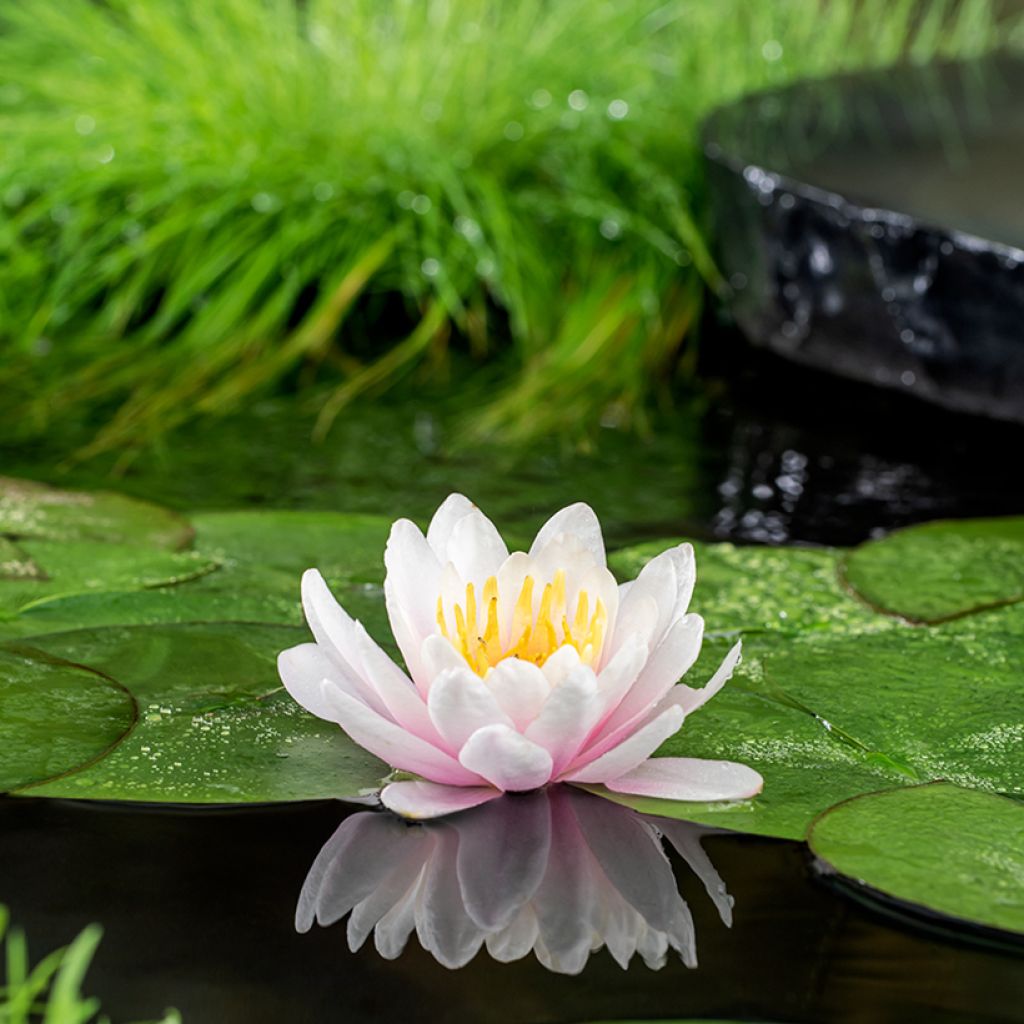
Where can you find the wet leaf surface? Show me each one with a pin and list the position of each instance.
(214, 725)
(939, 847)
(939, 570)
(29, 509)
(55, 717)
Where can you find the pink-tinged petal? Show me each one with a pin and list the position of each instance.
(332, 628)
(689, 699)
(449, 512)
(476, 548)
(438, 655)
(380, 683)
(520, 688)
(460, 704)
(567, 717)
(616, 679)
(302, 670)
(668, 580)
(670, 660)
(506, 759)
(638, 615)
(630, 752)
(688, 778)
(422, 800)
(391, 743)
(577, 521)
(411, 587)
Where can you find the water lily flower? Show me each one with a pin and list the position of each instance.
(523, 669)
(560, 873)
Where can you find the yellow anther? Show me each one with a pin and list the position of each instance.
(533, 637)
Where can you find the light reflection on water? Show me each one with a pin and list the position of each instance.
(560, 873)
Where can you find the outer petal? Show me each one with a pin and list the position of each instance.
(411, 587)
(422, 800)
(689, 778)
(667, 663)
(393, 744)
(382, 684)
(449, 512)
(631, 752)
(689, 699)
(460, 704)
(578, 521)
(506, 759)
(668, 581)
(302, 670)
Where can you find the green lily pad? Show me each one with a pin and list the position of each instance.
(940, 570)
(757, 589)
(72, 567)
(29, 509)
(261, 556)
(55, 717)
(214, 724)
(939, 847)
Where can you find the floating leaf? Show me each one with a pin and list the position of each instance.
(756, 589)
(943, 569)
(214, 724)
(29, 509)
(55, 717)
(16, 563)
(939, 847)
(72, 567)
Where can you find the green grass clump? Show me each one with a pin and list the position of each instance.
(201, 202)
(50, 992)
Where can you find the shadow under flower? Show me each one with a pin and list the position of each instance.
(560, 872)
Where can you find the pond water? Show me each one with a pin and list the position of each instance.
(199, 906)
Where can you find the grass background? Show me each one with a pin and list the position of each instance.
(202, 203)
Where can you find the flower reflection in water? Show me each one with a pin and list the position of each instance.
(560, 872)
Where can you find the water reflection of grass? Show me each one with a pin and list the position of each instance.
(202, 202)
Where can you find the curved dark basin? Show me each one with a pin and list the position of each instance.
(872, 225)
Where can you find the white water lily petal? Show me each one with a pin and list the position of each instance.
(302, 669)
(411, 586)
(560, 664)
(439, 532)
(568, 716)
(506, 758)
(630, 752)
(419, 800)
(460, 704)
(476, 548)
(667, 580)
(689, 778)
(578, 521)
(439, 655)
(670, 660)
(392, 743)
(689, 698)
(520, 688)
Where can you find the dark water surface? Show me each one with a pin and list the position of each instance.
(198, 913)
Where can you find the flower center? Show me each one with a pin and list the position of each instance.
(532, 637)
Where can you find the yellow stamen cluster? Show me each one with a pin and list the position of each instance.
(533, 638)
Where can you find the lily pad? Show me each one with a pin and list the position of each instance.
(16, 563)
(940, 570)
(939, 847)
(214, 724)
(758, 589)
(827, 718)
(71, 567)
(55, 717)
(29, 509)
